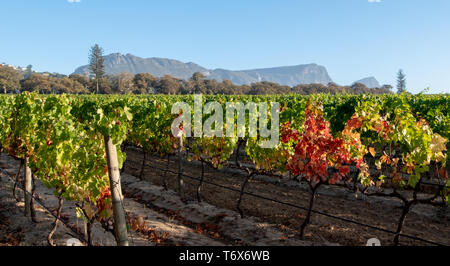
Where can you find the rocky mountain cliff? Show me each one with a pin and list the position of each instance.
(287, 75)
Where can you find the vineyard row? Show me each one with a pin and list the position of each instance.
(73, 145)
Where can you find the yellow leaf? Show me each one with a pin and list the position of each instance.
(372, 151)
(385, 159)
(438, 143)
(395, 161)
(378, 164)
(410, 167)
(378, 125)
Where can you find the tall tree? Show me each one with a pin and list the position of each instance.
(28, 71)
(144, 82)
(9, 79)
(169, 85)
(83, 80)
(123, 83)
(198, 83)
(68, 85)
(96, 64)
(39, 82)
(401, 82)
(104, 85)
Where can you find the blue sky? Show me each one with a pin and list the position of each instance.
(353, 39)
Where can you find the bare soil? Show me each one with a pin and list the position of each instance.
(161, 218)
(427, 222)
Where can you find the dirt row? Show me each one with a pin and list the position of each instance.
(157, 217)
(427, 222)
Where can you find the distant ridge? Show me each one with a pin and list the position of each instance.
(370, 82)
(286, 75)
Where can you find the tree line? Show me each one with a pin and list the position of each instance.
(13, 80)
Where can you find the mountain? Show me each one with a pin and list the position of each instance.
(118, 63)
(288, 75)
(370, 82)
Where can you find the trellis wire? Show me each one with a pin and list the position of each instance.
(302, 208)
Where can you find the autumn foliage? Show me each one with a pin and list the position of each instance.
(316, 150)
